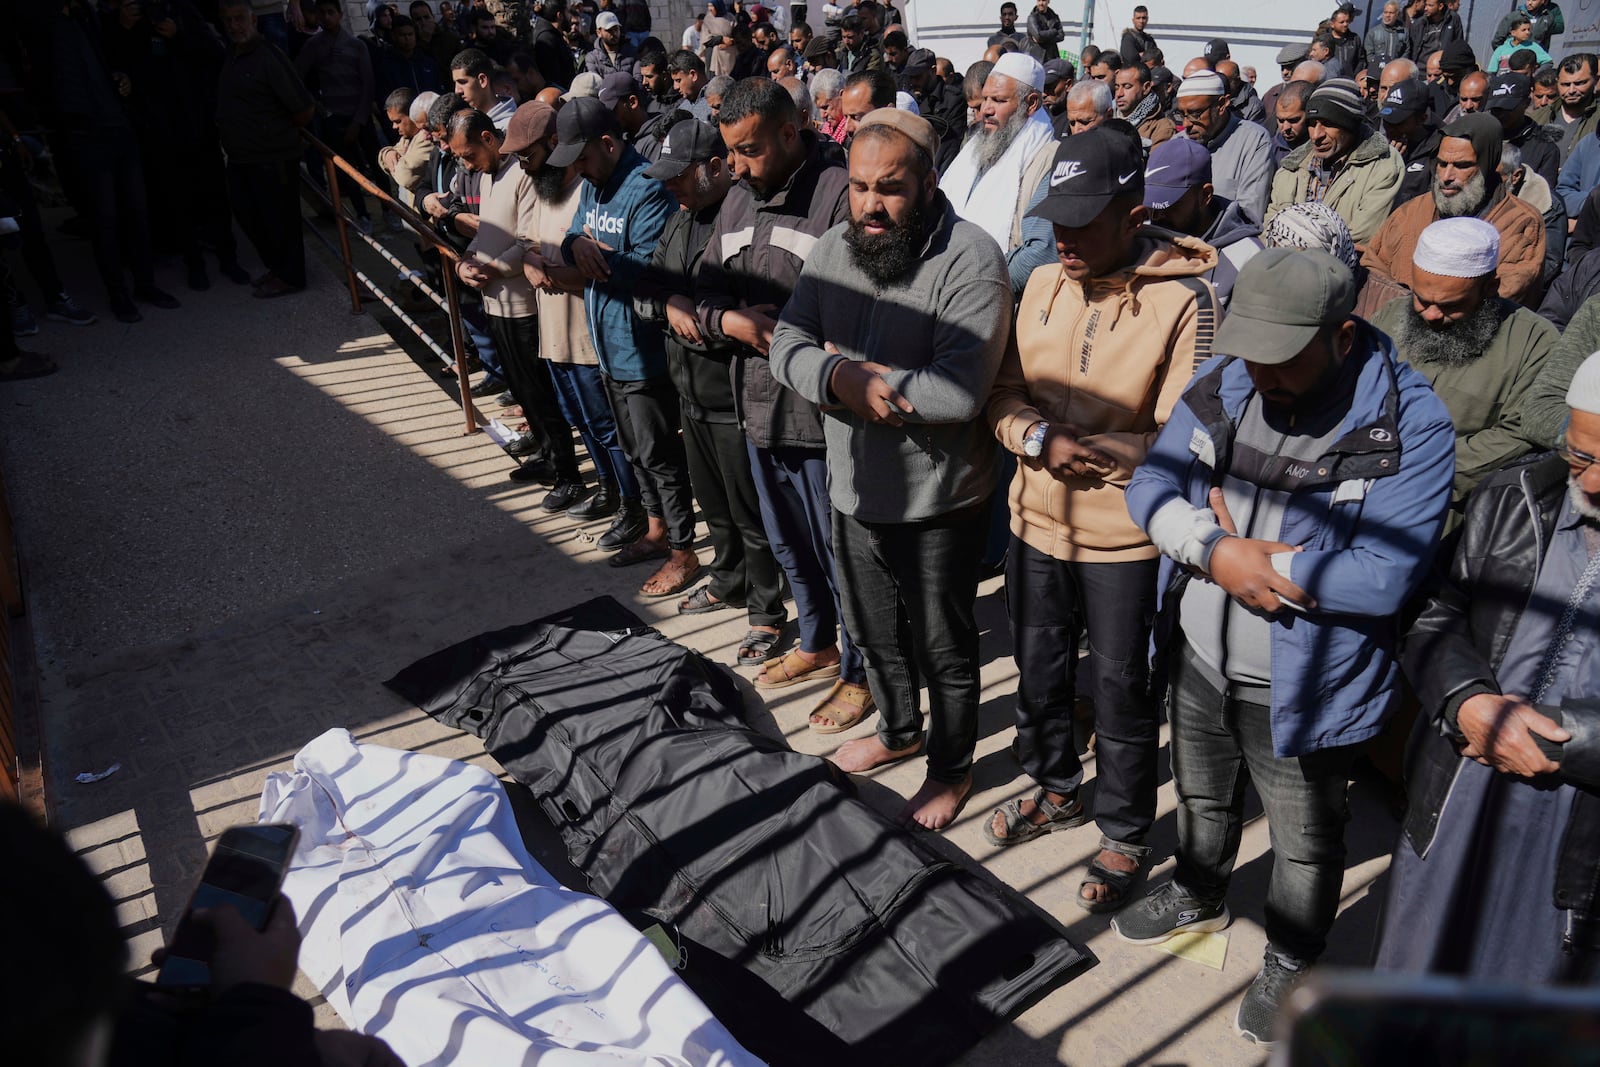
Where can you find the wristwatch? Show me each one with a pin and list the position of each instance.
(1033, 444)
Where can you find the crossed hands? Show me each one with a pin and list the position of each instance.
(862, 388)
(1243, 568)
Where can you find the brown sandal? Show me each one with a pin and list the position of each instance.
(792, 668)
(845, 705)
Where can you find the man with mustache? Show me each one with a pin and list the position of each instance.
(1344, 163)
(1500, 882)
(1480, 351)
(1466, 183)
(896, 327)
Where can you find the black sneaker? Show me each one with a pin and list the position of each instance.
(524, 444)
(64, 309)
(629, 525)
(601, 504)
(490, 386)
(535, 471)
(1165, 911)
(1257, 1019)
(505, 399)
(149, 294)
(564, 495)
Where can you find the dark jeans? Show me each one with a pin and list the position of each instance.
(517, 341)
(647, 421)
(266, 200)
(581, 392)
(743, 569)
(1219, 744)
(14, 186)
(110, 177)
(908, 590)
(1052, 602)
(792, 488)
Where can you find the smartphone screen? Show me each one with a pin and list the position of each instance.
(245, 873)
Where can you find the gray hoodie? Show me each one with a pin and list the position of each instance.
(1236, 237)
(943, 327)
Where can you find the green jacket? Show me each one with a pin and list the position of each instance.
(1361, 192)
(1544, 409)
(1487, 397)
(1546, 116)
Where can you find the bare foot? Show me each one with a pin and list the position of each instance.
(679, 569)
(1099, 892)
(826, 657)
(865, 753)
(935, 805)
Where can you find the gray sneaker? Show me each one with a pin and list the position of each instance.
(23, 322)
(1166, 911)
(1257, 1019)
(64, 309)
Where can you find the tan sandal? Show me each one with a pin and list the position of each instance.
(845, 706)
(792, 668)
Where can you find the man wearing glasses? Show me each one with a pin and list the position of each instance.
(1241, 152)
(1495, 875)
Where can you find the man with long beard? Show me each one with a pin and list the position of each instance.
(1466, 183)
(896, 328)
(1480, 351)
(994, 177)
(1500, 882)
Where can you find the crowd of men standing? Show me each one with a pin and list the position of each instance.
(1284, 406)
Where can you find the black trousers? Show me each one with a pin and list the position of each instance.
(1051, 603)
(743, 569)
(648, 423)
(517, 342)
(265, 198)
(109, 175)
(908, 590)
(36, 253)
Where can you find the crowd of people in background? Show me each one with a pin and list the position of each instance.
(1284, 406)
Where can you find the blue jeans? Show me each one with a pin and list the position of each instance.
(475, 324)
(909, 590)
(1219, 745)
(581, 392)
(792, 489)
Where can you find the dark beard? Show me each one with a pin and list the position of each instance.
(549, 183)
(892, 254)
(1461, 344)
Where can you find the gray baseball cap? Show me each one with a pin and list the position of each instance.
(1282, 297)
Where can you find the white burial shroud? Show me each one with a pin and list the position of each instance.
(426, 923)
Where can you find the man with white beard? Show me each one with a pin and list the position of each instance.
(1495, 874)
(1479, 351)
(999, 168)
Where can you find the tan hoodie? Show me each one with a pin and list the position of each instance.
(1109, 356)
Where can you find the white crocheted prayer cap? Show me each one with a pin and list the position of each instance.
(1458, 248)
(1202, 83)
(1584, 392)
(1021, 68)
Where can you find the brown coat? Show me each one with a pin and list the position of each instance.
(1521, 242)
(1156, 129)
(1110, 356)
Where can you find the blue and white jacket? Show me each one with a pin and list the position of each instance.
(1368, 521)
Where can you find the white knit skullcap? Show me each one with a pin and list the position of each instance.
(1203, 83)
(1584, 392)
(906, 102)
(1458, 248)
(1020, 67)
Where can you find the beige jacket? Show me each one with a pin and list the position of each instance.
(505, 211)
(563, 326)
(1110, 356)
(413, 170)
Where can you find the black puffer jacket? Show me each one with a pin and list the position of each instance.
(754, 257)
(699, 372)
(1460, 640)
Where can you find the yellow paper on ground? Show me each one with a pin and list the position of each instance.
(1210, 949)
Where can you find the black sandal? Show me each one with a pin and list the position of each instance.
(1119, 881)
(1020, 828)
(754, 648)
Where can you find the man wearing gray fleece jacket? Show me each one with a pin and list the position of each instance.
(896, 328)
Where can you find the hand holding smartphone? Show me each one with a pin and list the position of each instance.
(215, 944)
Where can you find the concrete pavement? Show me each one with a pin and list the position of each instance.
(239, 517)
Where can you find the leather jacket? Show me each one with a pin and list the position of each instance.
(1459, 641)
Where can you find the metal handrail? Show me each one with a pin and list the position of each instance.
(335, 163)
